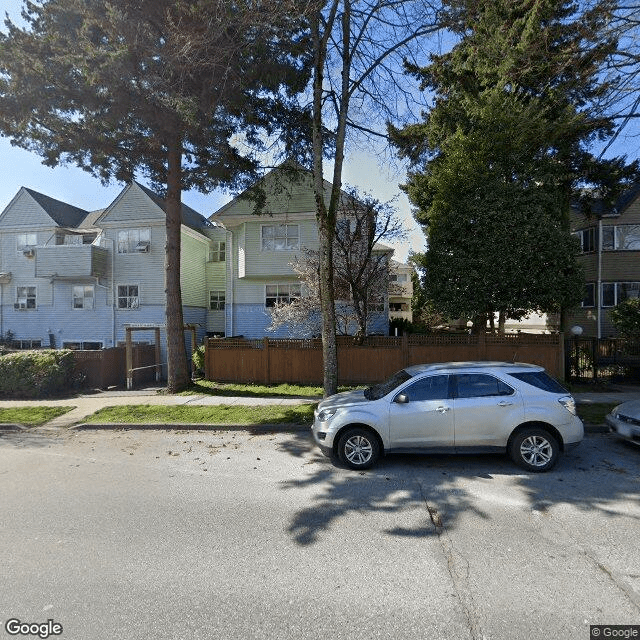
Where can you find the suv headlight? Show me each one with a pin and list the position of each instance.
(325, 414)
(569, 404)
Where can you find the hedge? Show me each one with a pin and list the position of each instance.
(36, 374)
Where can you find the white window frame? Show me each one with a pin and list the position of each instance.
(281, 297)
(590, 231)
(218, 251)
(128, 297)
(81, 344)
(219, 303)
(592, 286)
(24, 241)
(617, 233)
(133, 238)
(285, 237)
(26, 297)
(616, 295)
(84, 297)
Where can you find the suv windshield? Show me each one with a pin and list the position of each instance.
(377, 391)
(540, 380)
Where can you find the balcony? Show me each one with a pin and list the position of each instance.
(71, 261)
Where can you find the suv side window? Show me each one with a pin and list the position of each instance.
(480, 385)
(429, 388)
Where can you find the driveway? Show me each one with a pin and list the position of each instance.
(240, 534)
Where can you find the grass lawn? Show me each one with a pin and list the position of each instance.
(207, 387)
(216, 414)
(594, 413)
(31, 416)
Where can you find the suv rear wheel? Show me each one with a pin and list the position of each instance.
(534, 449)
(358, 448)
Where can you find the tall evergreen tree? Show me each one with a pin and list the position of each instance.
(176, 91)
(504, 150)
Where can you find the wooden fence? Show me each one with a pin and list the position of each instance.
(107, 367)
(274, 361)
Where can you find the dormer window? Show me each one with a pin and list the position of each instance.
(134, 240)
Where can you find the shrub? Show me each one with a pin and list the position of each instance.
(36, 374)
(626, 317)
(198, 358)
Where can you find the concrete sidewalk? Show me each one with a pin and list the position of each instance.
(86, 405)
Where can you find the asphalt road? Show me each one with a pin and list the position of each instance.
(125, 535)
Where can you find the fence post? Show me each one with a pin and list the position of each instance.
(129, 358)
(405, 349)
(482, 346)
(158, 369)
(266, 360)
(595, 356)
(562, 356)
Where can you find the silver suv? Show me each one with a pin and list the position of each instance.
(452, 407)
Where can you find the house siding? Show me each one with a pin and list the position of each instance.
(616, 266)
(193, 271)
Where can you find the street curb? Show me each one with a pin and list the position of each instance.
(12, 427)
(596, 428)
(258, 428)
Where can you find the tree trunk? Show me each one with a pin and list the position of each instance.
(178, 377)
(326, 221)
(501, 322)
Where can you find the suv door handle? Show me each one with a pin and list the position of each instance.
(504, 403)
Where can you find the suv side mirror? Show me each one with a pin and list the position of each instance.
(401, 398)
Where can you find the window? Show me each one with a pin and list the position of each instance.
(540, 380)
(588, 239)
(216, 300)
(128, 296)
(217, 252)
(608, 238)
(27, 240)
(83, 296)
(431, 388)
(280, 237)
(614, 293)
(627, 290)
(589, 299)
(608, 294)
(84, 346)
(282, 293)
(134, 240)
(27, 344)
(25, 298)
(622, 237)
(480, 385)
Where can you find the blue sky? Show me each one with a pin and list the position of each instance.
(363, 170)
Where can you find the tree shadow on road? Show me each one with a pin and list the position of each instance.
(432, 492)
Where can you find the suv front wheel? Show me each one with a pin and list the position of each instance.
(358, 448)
(534, 449)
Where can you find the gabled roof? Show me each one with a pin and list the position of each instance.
(190, 217)
(63, 214)
(288, 188)
(598, 208)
